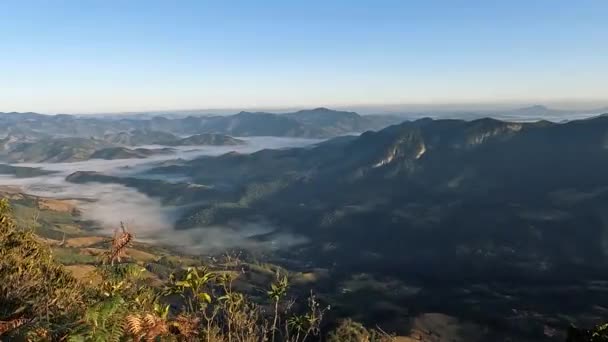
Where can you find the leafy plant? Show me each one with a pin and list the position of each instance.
(277, 291)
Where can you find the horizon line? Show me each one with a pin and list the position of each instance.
(371, 108)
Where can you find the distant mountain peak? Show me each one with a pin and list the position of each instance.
(317, 110)
(535, 107)
(322, 110)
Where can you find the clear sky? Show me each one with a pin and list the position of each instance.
(103, 56)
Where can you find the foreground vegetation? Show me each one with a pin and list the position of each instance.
(41, 301)
(121, 300)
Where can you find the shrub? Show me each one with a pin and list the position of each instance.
(35, 291)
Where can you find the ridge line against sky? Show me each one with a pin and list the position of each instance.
(591, 108)
(111, 56)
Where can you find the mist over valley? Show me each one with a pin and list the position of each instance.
(475, 219)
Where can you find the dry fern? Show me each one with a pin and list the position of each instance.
(146, 327)
(120, 242)
(134, 325)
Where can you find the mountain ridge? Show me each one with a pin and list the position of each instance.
(418, 181)
(316, 123)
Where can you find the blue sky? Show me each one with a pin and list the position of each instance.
(105, 56)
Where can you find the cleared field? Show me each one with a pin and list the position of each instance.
(57, 204)
(84, 241)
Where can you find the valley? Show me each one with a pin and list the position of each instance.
(471, 227)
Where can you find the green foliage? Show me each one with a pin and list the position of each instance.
(192, 288)
(278, 289)
(32, 285)
(104, 321)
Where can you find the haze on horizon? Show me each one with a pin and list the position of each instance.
(110, 56)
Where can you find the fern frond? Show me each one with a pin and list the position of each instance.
(116, 331)
(120, 242)
(134, 325)
(150, 320)
(148, 327)
(6, 326)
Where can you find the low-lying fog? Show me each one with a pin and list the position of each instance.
(110, 204)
